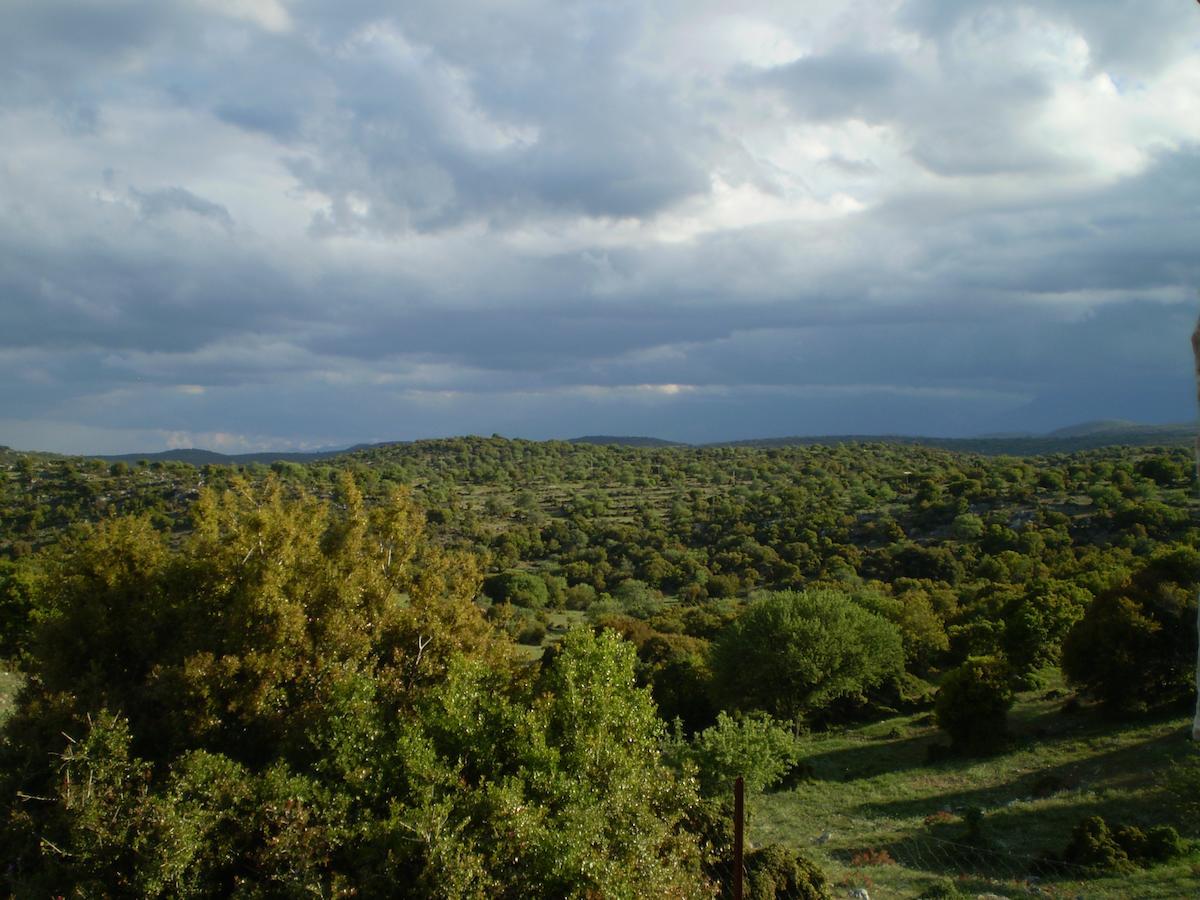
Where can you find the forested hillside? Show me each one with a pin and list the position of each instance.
(387, 660)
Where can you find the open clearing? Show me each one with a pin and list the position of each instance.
(876, 814)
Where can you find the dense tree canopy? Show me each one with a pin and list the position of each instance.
(794, 651)
(302, 698)
(279, 679)
(1135, 647)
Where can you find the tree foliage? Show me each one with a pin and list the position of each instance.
(1135, 647)
(972, 705)
(755, 748)
(302, 699)
(793, 652)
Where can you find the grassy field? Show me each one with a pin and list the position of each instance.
(876, 814)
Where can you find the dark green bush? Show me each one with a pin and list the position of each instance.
(1162, 844)
(942, 889)
(1135, 647)
(779, 872)
(518, 588)
(1048, 785)
(1093, 846)
(532, 634)
(1181, 782)
(974, 819)
(972, 705)
(1119, 849)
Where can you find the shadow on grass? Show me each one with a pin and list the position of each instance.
(1116, 768)
(870, 758)
(1020, 842)
(1046, 727)
(1049, 724)
(945, 851)
(885, 756)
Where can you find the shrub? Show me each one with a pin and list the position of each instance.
(871, 856)
(972, 705)
(942, 889)
(532, 634)
(18, 584)
(1181, 782)
(719, 586)
(1118, 849)
(775, 871)
(974, 818)
(1048, 785)
(637, 598)
(580, 596)
(1162, 843)
(1094, 847)
(519, 588)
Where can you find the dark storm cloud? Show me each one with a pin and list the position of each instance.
(846, 84)
(163, 201)
(101, 298)
(250, 222)
(436, 137)
(59, 43)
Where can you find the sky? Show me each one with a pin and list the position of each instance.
(290, 224)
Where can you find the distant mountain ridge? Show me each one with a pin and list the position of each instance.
(1116, 426)
(199, 457)
(1084, 436)
(1072, 439)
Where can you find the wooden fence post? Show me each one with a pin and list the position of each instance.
(739, 818)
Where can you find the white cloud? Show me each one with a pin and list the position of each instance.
(271, 15)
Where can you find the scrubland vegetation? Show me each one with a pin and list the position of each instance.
(481, 667)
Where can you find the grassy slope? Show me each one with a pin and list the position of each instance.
(872, 789)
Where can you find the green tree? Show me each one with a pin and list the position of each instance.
(18, 587)
(972, 705)
(1035, 625)
(1135, 647)
(302, 699)
(753, 747)
(790, 653)
(518, 588)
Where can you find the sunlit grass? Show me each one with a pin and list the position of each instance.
(872, 789)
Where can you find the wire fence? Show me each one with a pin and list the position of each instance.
(975, 868)
(931, 854)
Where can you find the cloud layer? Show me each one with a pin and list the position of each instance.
(251, 223)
